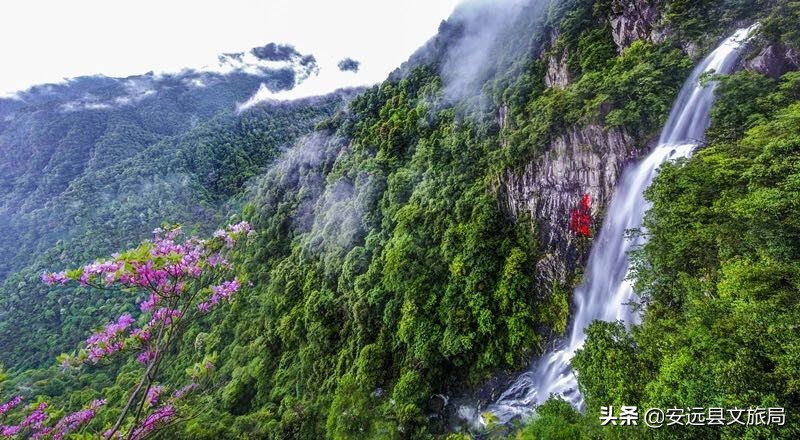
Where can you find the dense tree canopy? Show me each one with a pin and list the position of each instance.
(386, 275)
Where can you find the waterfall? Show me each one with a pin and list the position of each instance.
(605, 290)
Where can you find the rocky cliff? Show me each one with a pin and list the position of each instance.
(588, 160)
(636, 20)
(584, 161)
(557, 74)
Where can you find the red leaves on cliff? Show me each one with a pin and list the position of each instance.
(580, 219)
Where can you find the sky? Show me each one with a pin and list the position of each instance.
(47, 41)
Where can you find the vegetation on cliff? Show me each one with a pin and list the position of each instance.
(385, 274)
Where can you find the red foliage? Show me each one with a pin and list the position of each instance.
(580, 221)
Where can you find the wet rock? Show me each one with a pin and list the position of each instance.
(692, 49)
(502, 116)
(437, 404)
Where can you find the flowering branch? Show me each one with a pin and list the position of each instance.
(182, 281)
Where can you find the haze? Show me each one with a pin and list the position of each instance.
(47, 41)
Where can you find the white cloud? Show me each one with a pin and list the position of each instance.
(46, 41)
(328, 79)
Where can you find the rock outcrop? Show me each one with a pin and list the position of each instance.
(585, 161)
(774, 60)
(636, 20)
(557, 74)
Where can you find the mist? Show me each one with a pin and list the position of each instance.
(326, 209)
(480, 41)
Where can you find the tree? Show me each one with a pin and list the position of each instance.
(182, 281)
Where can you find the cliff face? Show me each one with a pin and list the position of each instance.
(557, 74)
(585, 161)
(636, 20)
(588, 160)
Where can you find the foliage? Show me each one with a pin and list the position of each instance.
(386, 271)
(718, 275)
(67, 175)
(633, 91)
(694, 19)
(781, 24)
(181, 281)
(555, 419)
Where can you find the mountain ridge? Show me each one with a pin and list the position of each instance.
(421, 243)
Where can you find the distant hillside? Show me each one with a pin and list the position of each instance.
(424, 243)
(122, 156)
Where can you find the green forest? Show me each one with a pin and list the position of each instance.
(384, 275)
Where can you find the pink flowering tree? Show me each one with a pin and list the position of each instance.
(179, 281)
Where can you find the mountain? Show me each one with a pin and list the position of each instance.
(124, 155)
(422, 246)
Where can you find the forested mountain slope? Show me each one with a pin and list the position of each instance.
(122, 156)
(422, 243)
(439, 269)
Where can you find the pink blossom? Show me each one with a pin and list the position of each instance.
(42, 433)
(224, 290)
(240, 228)
(98, 269)
(194, 271)
(36, 418)
(10, 431)
(232, 233)
(153, 394)
(55, 278)
(149, 303)
(125, 321)
(165, 315)
(141, 334)
(108, 340)
(157, 418)
(73, 421)
(166, 268)
(218, 293)
(214, 260)
(4, 408)
(185, 390)
(146, 356)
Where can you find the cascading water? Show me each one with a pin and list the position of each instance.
(606, 291)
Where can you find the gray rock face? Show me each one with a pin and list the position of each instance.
(635, 20)
(557, 74)
(502, 116)
(586, 160)
(774, 60)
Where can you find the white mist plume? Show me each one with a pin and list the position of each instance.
(296, 178)
(328, 78)
(337, 216)
(486, 36)
(328, 211)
